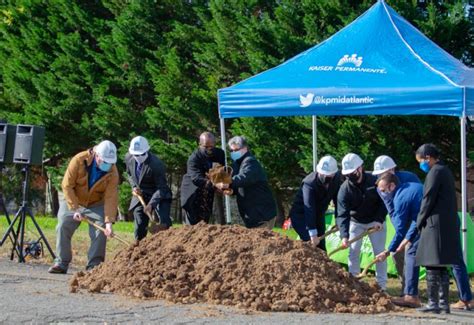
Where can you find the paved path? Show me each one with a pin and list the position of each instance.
(28, 294)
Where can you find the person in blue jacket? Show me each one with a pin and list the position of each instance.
(406, 200)
(311, 202)
(385, 164)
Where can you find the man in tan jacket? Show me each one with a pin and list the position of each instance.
(90, 188)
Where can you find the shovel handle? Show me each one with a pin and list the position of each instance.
(332, 230)
(362, 235)
(142, 201)
(364, 272)
(93, 224)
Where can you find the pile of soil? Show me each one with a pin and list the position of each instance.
(231, 265)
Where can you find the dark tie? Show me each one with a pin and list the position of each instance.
(138, 170)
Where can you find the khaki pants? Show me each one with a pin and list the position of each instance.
(399, 259)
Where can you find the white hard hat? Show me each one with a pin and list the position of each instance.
(350, 163)
(107, 151)
(327, 165)
(383, 164)
(138, 146)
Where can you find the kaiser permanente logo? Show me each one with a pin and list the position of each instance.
(309, 98)
(352, 63)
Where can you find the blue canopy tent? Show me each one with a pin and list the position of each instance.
(378, 65)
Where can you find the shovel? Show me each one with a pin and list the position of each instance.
(332, 230)
(154, 227)
(362, 235)
(364, 272)
(103, 230)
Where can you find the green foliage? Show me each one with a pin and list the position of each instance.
(125, 195)
(90, 70)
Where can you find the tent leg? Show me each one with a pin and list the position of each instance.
(315, 142)
(228, 216)
(463, 188)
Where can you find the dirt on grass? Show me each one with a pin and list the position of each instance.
(231, 265)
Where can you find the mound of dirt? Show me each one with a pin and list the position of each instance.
(231, 265)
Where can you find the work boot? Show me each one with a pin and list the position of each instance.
(432, 290)
(463, 305)
(407, 301)
(444, 292)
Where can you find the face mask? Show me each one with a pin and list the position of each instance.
(425, 166)
(105, 167)
(387, 195)
(324, 179)
(354, 177)
(235, 155)
(140, 159)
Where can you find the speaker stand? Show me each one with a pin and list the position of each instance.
(13, 234)
(20, 217)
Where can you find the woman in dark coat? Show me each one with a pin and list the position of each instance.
(438, 224)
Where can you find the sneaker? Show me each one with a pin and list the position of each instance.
(463, 305)
(57, 269)
(407, 301)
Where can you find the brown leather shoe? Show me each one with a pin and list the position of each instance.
(57, 269)
(463, 305)
(407, 301)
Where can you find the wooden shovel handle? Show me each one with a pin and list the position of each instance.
(332, 230)
(93, 224)
(142, 201)
(364, 272)
(365, 233)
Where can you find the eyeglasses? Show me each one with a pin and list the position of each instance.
(234, 150)
(140, 155)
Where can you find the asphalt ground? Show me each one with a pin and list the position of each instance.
(28, 294)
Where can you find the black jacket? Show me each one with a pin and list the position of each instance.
(198, 165)
(312, 201)
(152, 180)
(438, 220)
(360, 203)
(254, 197)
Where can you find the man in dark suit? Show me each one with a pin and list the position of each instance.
(197, 191)
(250, 184)
(146, 174)
(311, 202)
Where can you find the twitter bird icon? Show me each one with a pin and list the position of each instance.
(305, 101)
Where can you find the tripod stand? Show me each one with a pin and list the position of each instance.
(20, 216)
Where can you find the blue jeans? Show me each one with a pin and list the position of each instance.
(462, 279)
(412, 272)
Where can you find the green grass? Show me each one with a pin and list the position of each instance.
(80, 240)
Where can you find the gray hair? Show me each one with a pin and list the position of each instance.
(238, 141)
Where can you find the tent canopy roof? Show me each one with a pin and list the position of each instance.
(378, 65)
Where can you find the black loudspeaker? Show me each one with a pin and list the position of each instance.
(7, 143)
(29, 143)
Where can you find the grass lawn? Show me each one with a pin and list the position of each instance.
(80, 245)
(80, 240)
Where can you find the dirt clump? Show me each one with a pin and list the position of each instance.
(231, 265)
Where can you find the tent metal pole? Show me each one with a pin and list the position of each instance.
(463, 188)
(315, 142)
(228, 216)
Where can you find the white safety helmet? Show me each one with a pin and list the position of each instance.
(383, 164)
(327, 166)
(138, 146)
(350, 163)
(107, 151)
